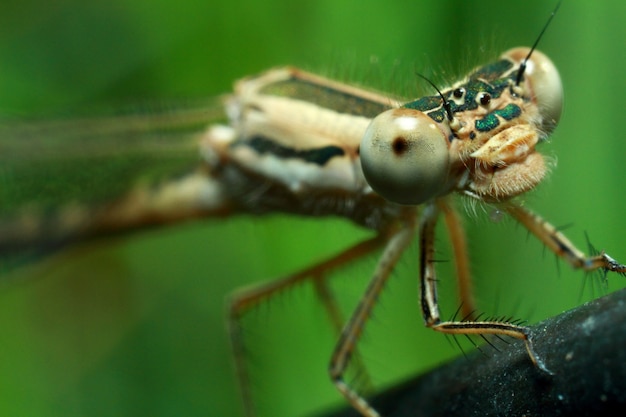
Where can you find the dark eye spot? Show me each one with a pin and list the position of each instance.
(400, 145)
(484, 99)
(458, 92)
(472, 135)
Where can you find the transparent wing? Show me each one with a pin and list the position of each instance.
(68, 180)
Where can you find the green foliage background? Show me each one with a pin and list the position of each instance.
(134, 326)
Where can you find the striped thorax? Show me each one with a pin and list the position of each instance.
(308, 135)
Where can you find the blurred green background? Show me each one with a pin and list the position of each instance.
(135, 326)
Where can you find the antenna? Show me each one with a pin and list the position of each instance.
(522, 67)
(446, 103)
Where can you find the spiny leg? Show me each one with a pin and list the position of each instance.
(429, 303)
(561, 245)
(345, 347)
(246, 299)
(337, 321)
(461, 259)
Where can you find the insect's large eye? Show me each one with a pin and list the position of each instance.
(405, 158)
(543, 83)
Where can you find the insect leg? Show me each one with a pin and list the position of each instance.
(326, 296)
(243, 300)
(560, 245)
(345, 347)
(456, 233)
(428, 288)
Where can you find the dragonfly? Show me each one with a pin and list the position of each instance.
(217, 152)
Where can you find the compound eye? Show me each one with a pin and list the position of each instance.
(405, 157)
(544, 85)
